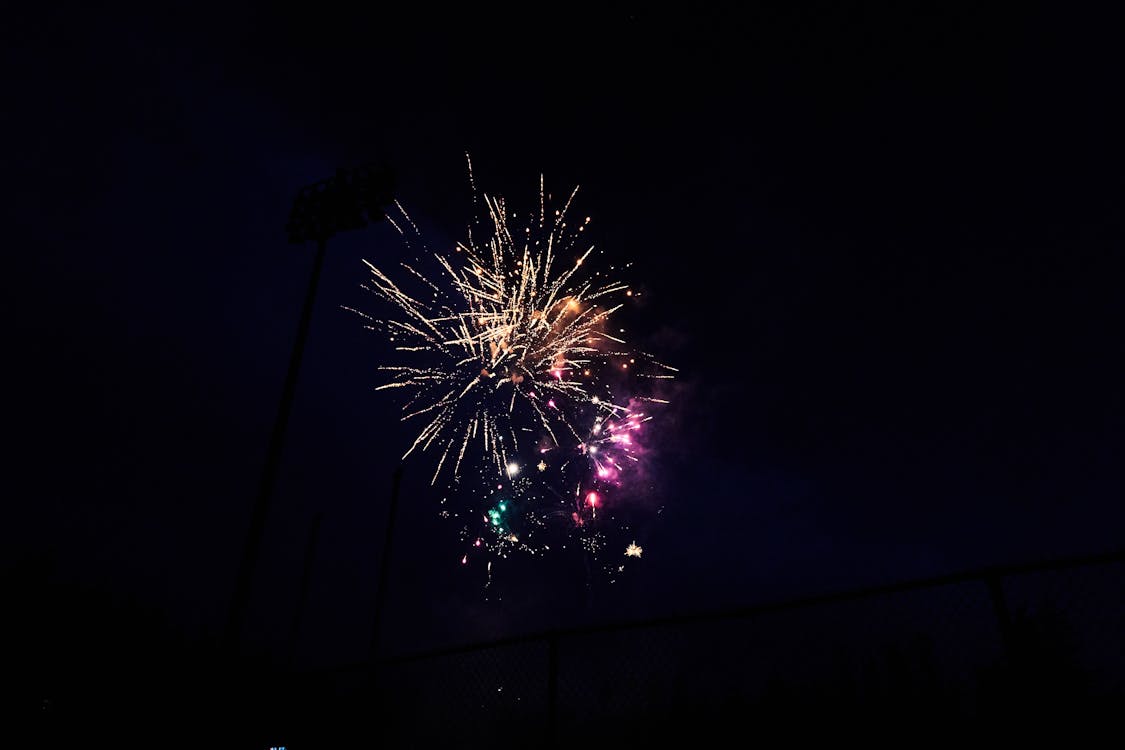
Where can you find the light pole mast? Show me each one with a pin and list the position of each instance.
(351, 199)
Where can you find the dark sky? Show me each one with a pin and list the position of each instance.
(883, 245)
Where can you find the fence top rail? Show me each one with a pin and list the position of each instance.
(977, 574)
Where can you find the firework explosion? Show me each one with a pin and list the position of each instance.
(520, 387)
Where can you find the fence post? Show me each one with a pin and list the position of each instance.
(552, 690)
(1000, 607)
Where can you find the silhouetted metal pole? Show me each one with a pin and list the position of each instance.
(349, 200)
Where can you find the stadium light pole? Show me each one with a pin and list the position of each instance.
(350, 199)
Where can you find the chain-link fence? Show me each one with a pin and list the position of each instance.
(1015, 649)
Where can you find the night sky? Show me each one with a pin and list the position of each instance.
(882, 244)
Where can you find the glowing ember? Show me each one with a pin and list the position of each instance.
(500, 345)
